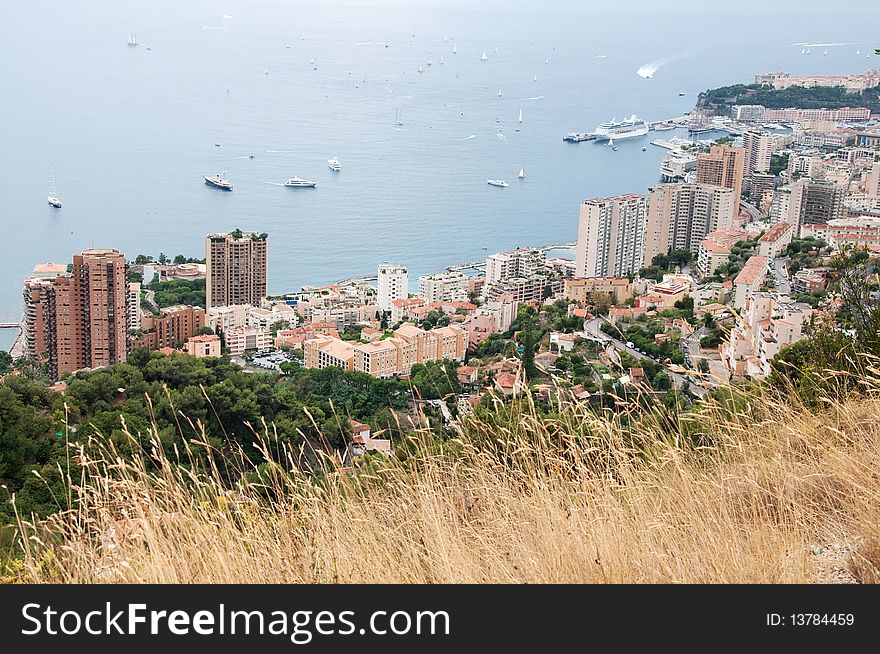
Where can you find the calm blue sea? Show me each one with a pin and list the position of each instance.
(131, 131)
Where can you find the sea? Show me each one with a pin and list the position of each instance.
(263, 90)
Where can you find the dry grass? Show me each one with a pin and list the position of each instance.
(516, 498)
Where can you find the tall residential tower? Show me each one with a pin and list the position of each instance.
(237, 268)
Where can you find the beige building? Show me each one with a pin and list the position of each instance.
(390, 356)
(749, 279)
(861, 231)
(207, 345)
(855, 82)
(681, 215)
(246, 339)
(710, 256)
(611, 236)
(757, 147)
(774, 242)
(767, 323)
(579, 290)
(236, 268)
(722, 166)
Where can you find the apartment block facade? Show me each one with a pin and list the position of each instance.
(79, 319)
(392, 283)
(681, 215)
(236, 268)
(391, 356)
(611, 236)
(723, 166)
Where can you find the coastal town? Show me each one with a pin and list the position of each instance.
(700, 281)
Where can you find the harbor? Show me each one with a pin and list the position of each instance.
(657, 125)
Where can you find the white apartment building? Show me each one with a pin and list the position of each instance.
(133, 305)
(611, 236)
(393, 284)
(245, 339)
(226, 318)
(443, 287)
(767, 323)
(522, 262)
(758, 147)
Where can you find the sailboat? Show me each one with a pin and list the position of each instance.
(483, 56)
(54, 201)
(132, 40)
(421, 70)
(441, 60)
(429, 61)
(858, 52)
(808, 51)
(522, 173)
(803, 51)
(454, 48)
(611, 144)
(499, 93)
(397, 121)
(520, 115)
(825, 53)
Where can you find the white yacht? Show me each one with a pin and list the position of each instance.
(298, 182)
(497, 182)
(334, 164)
(54, 200)
(624, 129)
(218, 182)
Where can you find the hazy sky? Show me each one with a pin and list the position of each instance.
(858, 8)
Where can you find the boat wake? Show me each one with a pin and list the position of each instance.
(819, 45)
(468, 138)
(501, 137)
(280, 151)
(266, 181)
(647, 71)
(537, 97)
(212, 27)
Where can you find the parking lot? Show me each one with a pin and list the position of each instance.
(272, 359)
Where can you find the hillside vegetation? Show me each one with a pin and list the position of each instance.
(820, 97)
(752, 488)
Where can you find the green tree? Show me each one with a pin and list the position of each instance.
(528, 355)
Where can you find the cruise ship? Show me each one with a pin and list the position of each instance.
(219, 182)
(625, 129)
(298, 182)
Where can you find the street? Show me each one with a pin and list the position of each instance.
(780, 276)
(593, 329)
